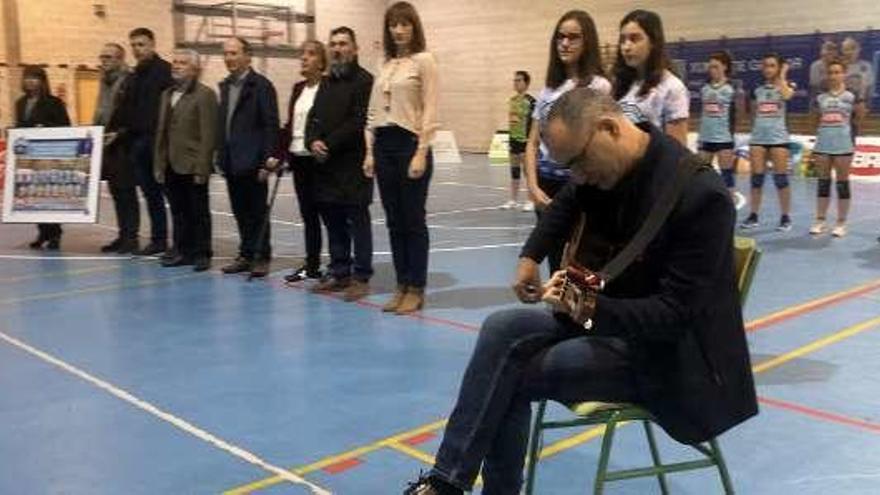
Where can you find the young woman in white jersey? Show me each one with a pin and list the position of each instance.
(643, 85)
(718, 100)
(574, 61)
(834, 110)
(769, 140)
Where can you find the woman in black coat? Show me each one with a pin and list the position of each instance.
(38, 108)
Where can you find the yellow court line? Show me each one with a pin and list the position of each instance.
(93, 290)
(816, 345)
(588, 435)
(329, 461)
(66, 273)
(412, 452)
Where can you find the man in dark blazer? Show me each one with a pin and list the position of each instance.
(141, 93)
(248, 132)
(184, 159)
(335, 135)
(667, 333)
(115, 167)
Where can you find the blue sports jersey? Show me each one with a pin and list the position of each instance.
(769, 126)
(716, 121)
(834, 136)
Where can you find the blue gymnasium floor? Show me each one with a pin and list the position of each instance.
(120, 377)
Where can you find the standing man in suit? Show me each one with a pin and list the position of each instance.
(248, 132)
(151, 77)
(115, 168)
(335, 136)
(184, 158)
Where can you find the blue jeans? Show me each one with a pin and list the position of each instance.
(347, 225)
(141, 158)
(404, 202)
(523, 355)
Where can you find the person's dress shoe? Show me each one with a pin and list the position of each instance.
(201, 264)
(260, 269)
(112, 247)
(240, 265)
(179, 260)
(152, 249)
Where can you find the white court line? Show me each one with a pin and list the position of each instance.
(477, 186)
(167, 417)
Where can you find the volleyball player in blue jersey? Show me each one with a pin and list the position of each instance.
(770, 139)
(834, 147)
(717, 120)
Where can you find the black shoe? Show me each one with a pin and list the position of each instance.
(260, 269)
(179, 260)
(53, 244)
(128, 247)
(152, 249)
(170, 254)
(428, 485)
(240, 265)
(37, 244)
(201, 264)
(113, 247)
(302, 273)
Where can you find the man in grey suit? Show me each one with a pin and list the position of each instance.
(184, 157)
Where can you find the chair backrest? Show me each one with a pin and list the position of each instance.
(746, 257)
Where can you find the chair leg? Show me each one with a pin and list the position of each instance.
(655, 456)
(722, 467)
(604, 456)
(535, 442)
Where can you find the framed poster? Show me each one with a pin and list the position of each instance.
(53, 175)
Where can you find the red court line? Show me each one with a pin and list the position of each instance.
(420, 439)
(752, 326)
(823, 415)
(342, 466)
(798, 310)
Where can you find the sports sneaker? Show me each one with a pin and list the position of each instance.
(784, 224)
(818, 227)
(839, 230)
(528, 206)
(739, 201)
(509, 205)
(751, 222)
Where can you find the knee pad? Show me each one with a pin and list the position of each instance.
(728, 177)
(757, 181)
(843, 191)
(824, 189)
(780, 181)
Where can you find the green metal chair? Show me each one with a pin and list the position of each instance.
(746, 257)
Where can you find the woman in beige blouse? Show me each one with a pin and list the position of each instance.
(403, 110)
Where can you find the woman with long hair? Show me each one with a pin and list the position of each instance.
(402, 123)
(769, 140)
(37, 107)
(643, 84)
(718, 102)
(834, 147)
(573, 61)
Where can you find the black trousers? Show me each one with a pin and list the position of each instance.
(128, 213)
(247, 195)
(49, 231)
(404, 202)
(349, 225)
(304, 183)
(190, 215)
(141, 159)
